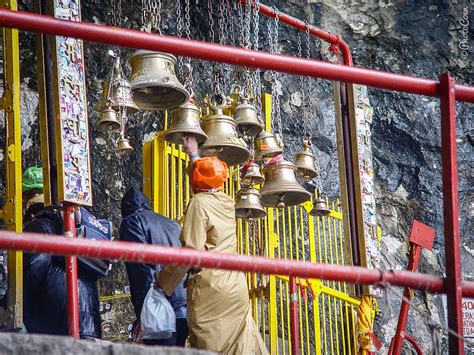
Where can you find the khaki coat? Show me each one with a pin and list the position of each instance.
(219, 315)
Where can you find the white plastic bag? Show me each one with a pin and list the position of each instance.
(157, 319)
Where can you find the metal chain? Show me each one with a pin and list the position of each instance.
(179, 33)
(257, 85)
(210, 18)
(310, 81)
(304, 107)
(151, 15)
(187, 30)
(276, 110)
(179, 19)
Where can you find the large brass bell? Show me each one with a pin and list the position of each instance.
(123, 146)
(320, 208)
(120, 96)
(304, 162)
(223, 140)
(252, 175)
(267, 146)
(247, 205)
(248, 123)
(185, 121)
(281, 189)
(154, 82)
(108, 120)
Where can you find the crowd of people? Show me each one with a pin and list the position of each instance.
(212, 307)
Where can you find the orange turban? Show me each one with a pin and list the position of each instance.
(209, 173)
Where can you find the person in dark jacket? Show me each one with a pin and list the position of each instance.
(44, 285)
(141, 225)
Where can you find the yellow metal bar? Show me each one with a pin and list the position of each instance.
(272, 299)
(13, 206)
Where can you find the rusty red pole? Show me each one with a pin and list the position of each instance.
(415, 251)
(303, 26)
(71, 275)
(294, 331)
(451, 212)
(226, 54)
(155, 254)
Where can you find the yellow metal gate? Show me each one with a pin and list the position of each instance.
(326, 311)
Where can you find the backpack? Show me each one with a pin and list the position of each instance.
(89, 227)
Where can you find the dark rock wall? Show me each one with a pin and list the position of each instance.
(423, 38)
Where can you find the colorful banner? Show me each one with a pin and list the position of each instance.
(74, 175)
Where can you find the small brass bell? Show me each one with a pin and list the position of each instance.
(266, 146)
(304, 162)
(247, 205)
(108, 120)
(121, 95)
(248, 123)
(281, 189)
(123, 146)
(252, 175)
(320, 208)
(185, 121)
(223, 140)
(154, 82)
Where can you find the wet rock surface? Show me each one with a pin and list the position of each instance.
(416, 38)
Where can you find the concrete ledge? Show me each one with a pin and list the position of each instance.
(14, 343)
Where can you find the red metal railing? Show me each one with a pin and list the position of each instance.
(446, 89)
(155, 254)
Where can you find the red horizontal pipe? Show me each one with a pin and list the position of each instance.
(226, 54)
(302, 26)
(154, 254)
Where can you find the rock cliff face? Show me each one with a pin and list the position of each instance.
(417, 38)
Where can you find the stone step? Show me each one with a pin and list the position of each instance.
(14, 343)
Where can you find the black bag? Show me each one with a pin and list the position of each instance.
(89, 227)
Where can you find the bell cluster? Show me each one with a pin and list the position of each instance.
(232, 131)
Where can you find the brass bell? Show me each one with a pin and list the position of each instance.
(248, 123)
(304, 162)
(121, 95)
(223, 140)
(266, 146)
(252, 175)
(185, 121)
(154, 82)
(123, 146)
(108, 120)
(247, 205)
(320, 208)
(281, 189)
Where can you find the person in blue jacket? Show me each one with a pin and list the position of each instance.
(44, 284)
(141, 225)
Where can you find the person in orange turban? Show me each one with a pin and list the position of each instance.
(219, 314)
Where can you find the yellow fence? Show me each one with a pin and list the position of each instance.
(326, 311)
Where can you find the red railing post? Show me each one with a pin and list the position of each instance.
(451, 212)
(71, 275)
(295, 340)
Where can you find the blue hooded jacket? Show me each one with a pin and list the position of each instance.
(141, 225)
(44, 287)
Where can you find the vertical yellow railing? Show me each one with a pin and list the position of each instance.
(12, 211)
(326, 323)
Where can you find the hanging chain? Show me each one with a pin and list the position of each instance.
(257, 85)
(151, 15)
(276, 110)
(211, 21)
(306, 101)
(179, 19)
(187, 30)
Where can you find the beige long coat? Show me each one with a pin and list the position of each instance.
(219, 314)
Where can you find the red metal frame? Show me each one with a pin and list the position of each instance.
(331, 38)
(71, 275)
(294, 326)
(452, 243)
(421, 235)
(446, 89)
(155, 254)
